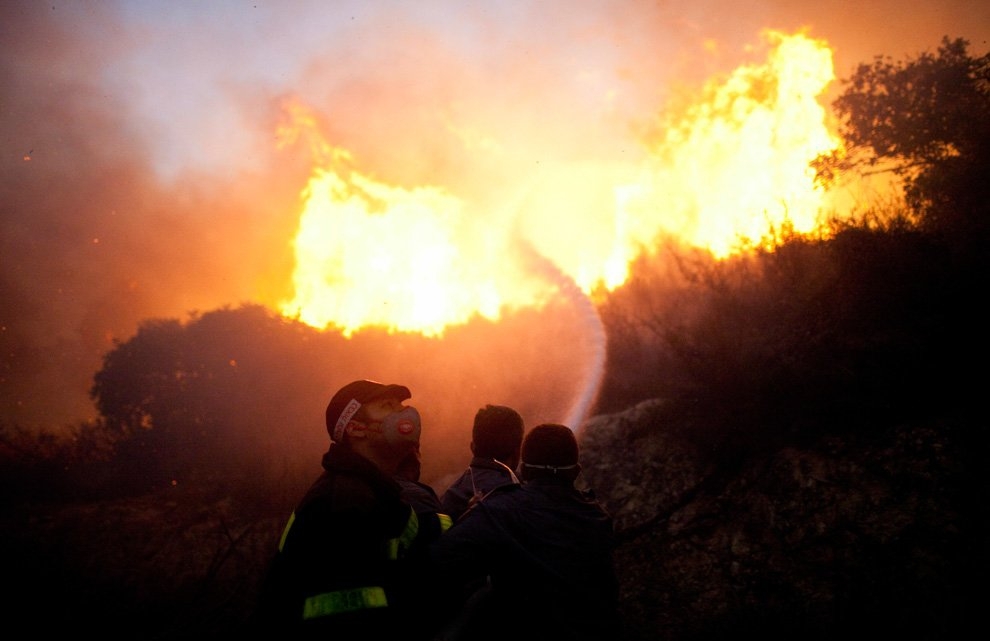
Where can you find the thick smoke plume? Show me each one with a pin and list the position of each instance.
(142, 175)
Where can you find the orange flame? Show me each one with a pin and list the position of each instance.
(732, 167)
(736, 165)
(371, 254)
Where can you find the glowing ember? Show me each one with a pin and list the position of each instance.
(732, 166)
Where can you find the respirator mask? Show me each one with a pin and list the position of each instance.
(402, 428)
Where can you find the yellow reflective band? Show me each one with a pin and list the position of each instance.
(408, 535)
(396, 548)
(340, 601)
(285, 532)
(445, 522)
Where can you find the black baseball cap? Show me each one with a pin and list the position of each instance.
(349, 399)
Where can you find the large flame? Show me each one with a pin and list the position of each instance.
(734, 169)
(731, 167)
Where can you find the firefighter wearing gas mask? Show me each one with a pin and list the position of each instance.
(351, 560)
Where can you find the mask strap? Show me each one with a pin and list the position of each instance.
(345, 417)
(552, 468)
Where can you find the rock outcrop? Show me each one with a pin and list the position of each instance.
(843, 537)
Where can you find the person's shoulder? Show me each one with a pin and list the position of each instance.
(463, 479)
(503, 498)
(506, 490)
(481, 463)
(422, 497)
(459, 489)
(340, 492)
(493, 473)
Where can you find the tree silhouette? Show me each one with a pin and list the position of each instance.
(927, 120)
(851, 331)
(217, 398)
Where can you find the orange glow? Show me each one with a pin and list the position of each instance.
(732, 166)
(735, 165)
(371, 254)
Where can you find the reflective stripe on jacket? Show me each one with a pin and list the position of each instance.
(351, 558)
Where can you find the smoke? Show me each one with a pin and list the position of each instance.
(142, 175)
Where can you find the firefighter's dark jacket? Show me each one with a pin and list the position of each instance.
(351, 560)
(481, 477)
(547, 548)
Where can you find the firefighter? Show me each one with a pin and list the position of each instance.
(546, 548)
(350, 561)
(496, 437)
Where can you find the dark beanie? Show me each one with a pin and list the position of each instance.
(550, 445)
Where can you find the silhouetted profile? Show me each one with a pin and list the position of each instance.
(547, 548)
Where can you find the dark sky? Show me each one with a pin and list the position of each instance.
(142, 174)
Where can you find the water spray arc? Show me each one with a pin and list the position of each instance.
(582, 403)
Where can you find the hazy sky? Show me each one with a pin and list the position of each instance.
(142, 177)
